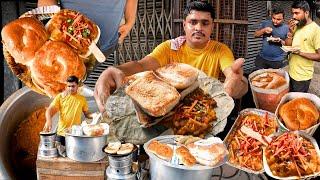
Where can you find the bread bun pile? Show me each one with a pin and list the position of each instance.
(207, 152)
(42, 64)
(268, 80)
(299, 114)
(118, 148)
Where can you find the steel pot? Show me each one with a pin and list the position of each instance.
(161, 169)
(85, 148)
(14, 110)
(47, 140)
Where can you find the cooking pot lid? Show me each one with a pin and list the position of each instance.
(47, 133)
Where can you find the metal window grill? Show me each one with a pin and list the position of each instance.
(158, 21)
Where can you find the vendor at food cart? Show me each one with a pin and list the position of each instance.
(70, 104)
(195, 48)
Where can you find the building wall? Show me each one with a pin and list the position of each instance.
(157, 20)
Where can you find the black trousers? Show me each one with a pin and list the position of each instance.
(299, 86)
(261, 63)
(61, 139)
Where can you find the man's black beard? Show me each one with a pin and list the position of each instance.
(302, 22)
(277, 25)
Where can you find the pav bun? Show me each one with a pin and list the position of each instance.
(23, 37)
(299, 114)
(54, 62)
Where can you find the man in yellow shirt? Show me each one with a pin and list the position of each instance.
(306, 35)
(195, 48)
(70, 106)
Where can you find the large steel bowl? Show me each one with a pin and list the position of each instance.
(161, 169)
(85, 148)
(12, 112)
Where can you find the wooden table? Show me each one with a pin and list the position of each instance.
(67, 169)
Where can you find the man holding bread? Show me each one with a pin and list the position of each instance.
(305, 34)
(195, 48)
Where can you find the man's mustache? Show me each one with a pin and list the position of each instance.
(199, 33)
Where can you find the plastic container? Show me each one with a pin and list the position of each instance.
(268, 99)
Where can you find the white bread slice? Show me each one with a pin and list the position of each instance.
(154, 96)
(112, 147)
(178, 75)
(208, 151)
(125, 148)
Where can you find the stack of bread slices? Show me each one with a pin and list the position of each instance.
(158, 92)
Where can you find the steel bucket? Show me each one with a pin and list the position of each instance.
(85, 148)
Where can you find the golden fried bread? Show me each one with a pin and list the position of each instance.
(163, 151)
(154, 96)
(54, 62)
(23, 37)
(268, 80)
(185, 156)
(125, 148)
(112, 147)
(299, 114)
(178, 75)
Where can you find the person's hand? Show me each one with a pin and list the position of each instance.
(292, 26)
(276, 39)
(109, 80)
(124, 31)
(47, 126)
(234, 79)
(268, 30)
(296, 51)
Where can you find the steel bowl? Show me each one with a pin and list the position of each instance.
(161, 169)
(85, 148)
